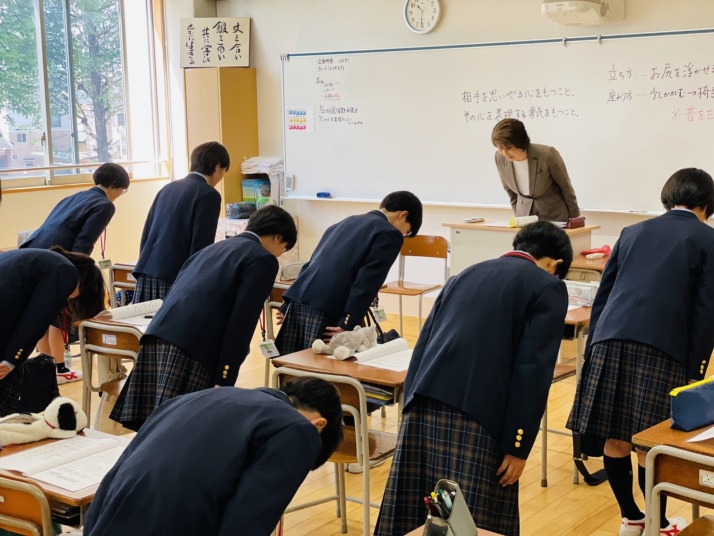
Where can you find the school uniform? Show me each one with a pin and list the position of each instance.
(650, 328)
(338, 284)
(76, 223)
(201, 334)
(34, 287)
(476, 390)
(182, 221)
(230, 462)
(550, 194)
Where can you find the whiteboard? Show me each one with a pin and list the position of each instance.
(624, 112)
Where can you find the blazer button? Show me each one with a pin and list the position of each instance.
(226, 367)
(520, 431)
(518, 444)
(519, 437)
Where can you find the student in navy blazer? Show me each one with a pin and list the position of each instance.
(650, 331)
(219, 462)
(77, 222)
(182, 221)
(352, 260)
(478, 383)
(35, 285)
(201, 334)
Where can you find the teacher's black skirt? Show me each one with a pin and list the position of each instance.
(624, 389)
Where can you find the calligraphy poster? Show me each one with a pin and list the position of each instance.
(215, 42)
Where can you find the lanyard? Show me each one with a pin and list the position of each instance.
(103, 242)
(262, 323)
(64, 329)
(520, 255)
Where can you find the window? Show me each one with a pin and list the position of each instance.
(72, 100)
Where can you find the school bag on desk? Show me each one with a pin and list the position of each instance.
(692, 406)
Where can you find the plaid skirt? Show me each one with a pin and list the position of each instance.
(10, 392)
(303, 324)
(439, 441)
(150, 288)
(163, 371)
(624, 389)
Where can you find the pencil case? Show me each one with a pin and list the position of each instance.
(692, 406)
(574, 223)
(459, 522)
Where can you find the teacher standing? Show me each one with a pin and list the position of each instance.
(533, 175)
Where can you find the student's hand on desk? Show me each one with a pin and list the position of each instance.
(330, 332)
(511, 470)
(4, 371)
(279, 317)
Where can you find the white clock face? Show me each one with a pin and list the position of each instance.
(422, 16)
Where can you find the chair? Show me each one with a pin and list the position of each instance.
(361, 445)
(24, 508)
(120, 278)
(107, 341)
(703, 526)
(418, 246)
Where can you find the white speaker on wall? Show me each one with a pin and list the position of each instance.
(583, 12)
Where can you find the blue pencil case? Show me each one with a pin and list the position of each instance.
(692, 406)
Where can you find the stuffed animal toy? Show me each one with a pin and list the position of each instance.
(63, 418)
(347, 343)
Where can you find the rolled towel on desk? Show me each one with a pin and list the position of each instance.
(522, 221)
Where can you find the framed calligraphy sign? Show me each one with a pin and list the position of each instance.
(215, 42)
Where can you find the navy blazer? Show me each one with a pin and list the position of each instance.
(34, 287)
(213, 307)
(182, 221)
(348, 268)
(219, 462)
(658, 289)
(76, 223)
(489, 348)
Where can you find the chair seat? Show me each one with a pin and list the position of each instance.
(405, 288)
(381, 444)
(699, 527)
(113, 387)
(563, 371)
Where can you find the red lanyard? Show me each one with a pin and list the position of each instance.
(64, 328)
(103, 241)
(520, 255)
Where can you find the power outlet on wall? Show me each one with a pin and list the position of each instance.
(706, 478)
(289, 182)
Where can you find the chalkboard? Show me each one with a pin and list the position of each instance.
(624, 111)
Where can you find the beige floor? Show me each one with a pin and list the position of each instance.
(561, 509)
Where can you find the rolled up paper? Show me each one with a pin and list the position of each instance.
(522, 220)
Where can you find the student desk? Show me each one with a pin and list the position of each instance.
(676, 468)
(476, 242)
(481, 532)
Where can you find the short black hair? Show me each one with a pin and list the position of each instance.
(510, 133)
(403, 200)
(273, 220)
(544, 239)
(207, 156)
(314, 394)
(92, 290)
(111, 175)
(689, 187)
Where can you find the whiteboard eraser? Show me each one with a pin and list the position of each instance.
(324, 195)
(593, 256)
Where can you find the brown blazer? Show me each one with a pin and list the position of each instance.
(551, 196)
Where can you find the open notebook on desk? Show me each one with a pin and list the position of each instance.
(73, 464)
(138, 315)
(393, 355)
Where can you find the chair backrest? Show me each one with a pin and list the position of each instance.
(430, 246)
(120, 278)
(352, 396)
(24, 508)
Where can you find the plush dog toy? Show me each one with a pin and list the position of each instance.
(347, 343)
(63, 418)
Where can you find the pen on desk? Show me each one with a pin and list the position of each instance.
(148, 316)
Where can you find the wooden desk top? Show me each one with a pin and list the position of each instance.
(312, 362)
(662, 434)
(578, 317)
(481, 532)
(581, 263)
(484, 226)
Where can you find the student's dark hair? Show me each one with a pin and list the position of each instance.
(402, 200)
(92, 291)
(543, 239)
(111, 175)
(313, 394)
(207, 156)
(689, 187)
(510, 133)
(273, 220)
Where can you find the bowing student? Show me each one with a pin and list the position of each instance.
(78, 221)
(201, 334)
(650, 331)
(182, 221)
(336, 287)
(35, 286)
(478, 383)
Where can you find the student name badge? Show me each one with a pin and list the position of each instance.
(105, 264)
(379, 314)
(268, 348)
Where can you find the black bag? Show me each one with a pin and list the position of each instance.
(585, 446)
(38, 386)
(382, 337)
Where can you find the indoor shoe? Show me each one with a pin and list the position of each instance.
(632, 528)
(65, 375)
(676, 525)
(356, 468)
